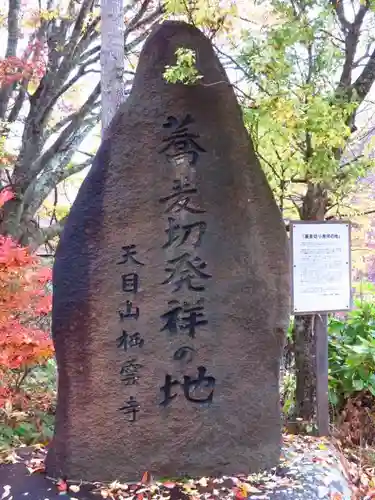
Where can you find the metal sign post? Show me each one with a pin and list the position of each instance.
(321, 284)
(322, 403)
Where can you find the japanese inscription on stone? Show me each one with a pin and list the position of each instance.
(186, 271)
(130, 340)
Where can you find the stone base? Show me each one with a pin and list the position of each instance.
(309, 470)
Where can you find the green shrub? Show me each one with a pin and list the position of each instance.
(28, 417)
(287, 376)
(351, 352)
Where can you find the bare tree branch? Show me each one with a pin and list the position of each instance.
(58, 168)
(72, 53)
(338, 6)
(353, 31)
(366, 79)
(42, 236)
(76, 120)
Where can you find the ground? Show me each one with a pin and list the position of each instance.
(310, 469)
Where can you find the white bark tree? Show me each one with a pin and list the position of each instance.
(112, 56)
(46, 146)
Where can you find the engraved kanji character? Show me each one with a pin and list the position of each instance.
(176, 231)
(130, 311)
(186, 317)
(129, 340)
(131, 407)
(186, 269)
(184, 353)
(130, 282)
(180, 199)
(181, 140)
(190, 385)
(129, 253)
(129, 371)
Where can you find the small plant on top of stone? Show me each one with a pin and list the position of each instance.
(184, 71)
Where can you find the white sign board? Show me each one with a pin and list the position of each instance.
(321, 267)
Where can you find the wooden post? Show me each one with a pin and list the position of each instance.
(322, 405)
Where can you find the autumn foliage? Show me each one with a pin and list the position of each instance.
(22, 300)
(31, 66)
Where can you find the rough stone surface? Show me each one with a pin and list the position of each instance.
(243, 268)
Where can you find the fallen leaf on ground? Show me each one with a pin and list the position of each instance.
(203, 482)
(35, 465)
(146, 478)
(74, 488)
(6, 493)
(169, 484)
(62, 486)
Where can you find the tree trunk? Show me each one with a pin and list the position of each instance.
(314, 207)
(112, 58)
(304, 352)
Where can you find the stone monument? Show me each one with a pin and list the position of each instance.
(171, 288)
